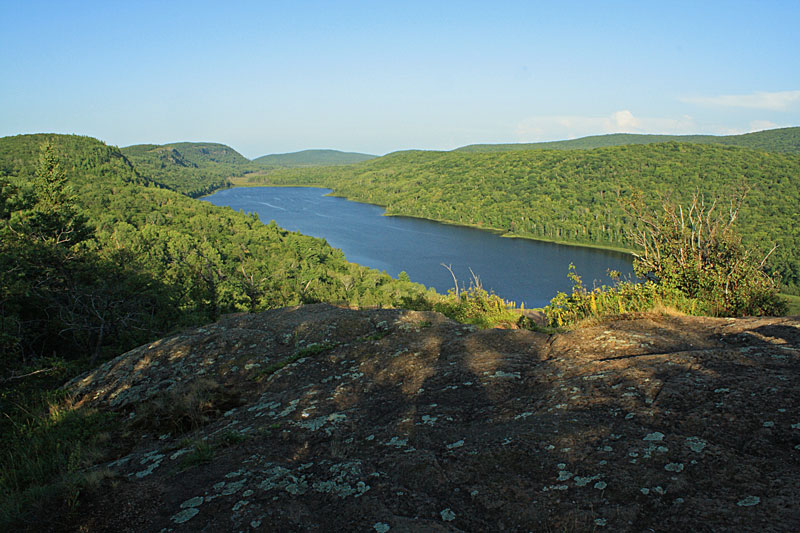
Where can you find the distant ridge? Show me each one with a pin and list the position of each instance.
(786, 140)
(190, 168)
(200, 154)
(198, 168)
(312, 158)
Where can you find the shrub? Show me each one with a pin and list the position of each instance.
(474, 305)
(691, 259)
(624, 297)
(698, 252)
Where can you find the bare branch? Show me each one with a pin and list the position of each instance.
(455, 281)
(764, 261)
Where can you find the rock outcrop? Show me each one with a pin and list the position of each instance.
(325, 419)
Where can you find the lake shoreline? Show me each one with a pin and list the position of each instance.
(496, 231)
(517, 269)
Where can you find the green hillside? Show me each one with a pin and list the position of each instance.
(573, 195)
(786, 140)
(108, 259)
(204, 154)
(312, 158)
(19, 156)
(193, 169)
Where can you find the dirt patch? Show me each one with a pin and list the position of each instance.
(388, 420)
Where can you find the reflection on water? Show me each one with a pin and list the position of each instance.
(521, 270)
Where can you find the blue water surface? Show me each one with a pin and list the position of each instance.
(521, 270)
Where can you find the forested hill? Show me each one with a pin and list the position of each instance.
(312, 158)
(90, 159)
(573, 195)
(126, 260)
(196, 169)
(199, 154)
(193, 169)
(786, 140)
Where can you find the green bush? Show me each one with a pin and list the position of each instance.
(696, 251)
(624, 297)
(691, 259)
(474, 305)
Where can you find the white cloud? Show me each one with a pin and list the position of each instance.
(752, 126)
(776, 101)
(760, 125)
(547, 128)
(625, 121)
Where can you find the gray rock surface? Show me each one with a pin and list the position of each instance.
(319, 418)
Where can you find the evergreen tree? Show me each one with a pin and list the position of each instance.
(53, 217)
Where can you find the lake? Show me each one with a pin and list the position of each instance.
(521, 270)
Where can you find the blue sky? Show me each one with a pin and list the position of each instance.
(272, 77)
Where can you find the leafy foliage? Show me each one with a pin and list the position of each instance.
(469, 305)
(96, 259)
(624, 297)
(697, 252)
(54, 297)
(49, 214)
(474, 305)
(693, 261)
(149, 260)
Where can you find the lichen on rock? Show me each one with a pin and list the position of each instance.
(388, 419)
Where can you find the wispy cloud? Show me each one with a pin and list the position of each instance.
(759, 125)
(545, 128)
(775, 101)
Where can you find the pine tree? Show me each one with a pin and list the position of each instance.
(54, 217)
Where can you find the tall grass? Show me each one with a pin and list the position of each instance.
(46, 446)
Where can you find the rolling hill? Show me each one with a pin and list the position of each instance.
(786, 140)
(200, 154)
(156, 262)
(196, 169)
(193, 169)
(312, 158)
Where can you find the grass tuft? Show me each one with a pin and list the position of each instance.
(187, 409)
(47, 445)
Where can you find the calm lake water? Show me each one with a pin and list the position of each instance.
(520, 270)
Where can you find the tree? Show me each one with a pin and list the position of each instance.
(57, 299)
(698, 251)
(51, 215)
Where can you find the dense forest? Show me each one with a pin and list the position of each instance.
(97, 258)
(574, 196)
(785, 140)
(193, 169)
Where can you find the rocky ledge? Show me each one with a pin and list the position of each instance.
(325, 419)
